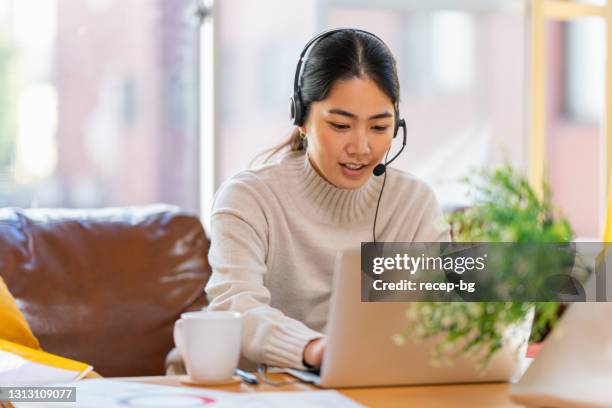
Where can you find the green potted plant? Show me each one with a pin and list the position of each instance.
(506, 209)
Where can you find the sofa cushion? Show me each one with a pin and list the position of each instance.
(105, 286)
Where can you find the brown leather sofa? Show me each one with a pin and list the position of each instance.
(105, 286)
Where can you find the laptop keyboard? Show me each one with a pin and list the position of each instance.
(315, 370)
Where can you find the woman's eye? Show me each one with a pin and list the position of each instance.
(380, 128)
(339, 126)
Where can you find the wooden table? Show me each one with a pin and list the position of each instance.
(465, 395)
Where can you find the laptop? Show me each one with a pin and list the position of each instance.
(360, 350)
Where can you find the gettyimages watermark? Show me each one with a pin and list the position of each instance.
(486, 272)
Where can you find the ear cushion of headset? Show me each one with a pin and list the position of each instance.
(291, 108)
(296, 107)
(398, 124)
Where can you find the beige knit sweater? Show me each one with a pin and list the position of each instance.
(275, 232)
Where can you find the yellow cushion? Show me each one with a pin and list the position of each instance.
(13, 326)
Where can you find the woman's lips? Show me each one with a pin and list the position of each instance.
(353, 172)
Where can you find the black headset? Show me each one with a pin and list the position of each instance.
(298, 113)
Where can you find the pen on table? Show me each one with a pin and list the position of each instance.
(247, 377)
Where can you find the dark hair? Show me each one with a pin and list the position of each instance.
(342, 55)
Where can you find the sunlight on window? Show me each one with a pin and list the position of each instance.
(585, 69)
(36, 123)
(453, 49)
(34, 29)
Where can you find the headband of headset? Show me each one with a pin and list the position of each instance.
(297, 110)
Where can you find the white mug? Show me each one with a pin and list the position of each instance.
(209, 343)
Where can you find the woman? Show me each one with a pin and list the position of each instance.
(276, 229)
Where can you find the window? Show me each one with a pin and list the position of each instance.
(568, 71)
(461, 66)
(99, 103)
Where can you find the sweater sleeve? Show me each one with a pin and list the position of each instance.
(238, 253)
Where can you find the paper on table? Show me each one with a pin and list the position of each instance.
(110, 393)
(23, 366)
(17, 371)
(297, 399)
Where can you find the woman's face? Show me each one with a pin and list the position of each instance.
(349, 132)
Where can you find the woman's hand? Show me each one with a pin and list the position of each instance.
(313, 352)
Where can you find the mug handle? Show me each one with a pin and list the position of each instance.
(178, 337)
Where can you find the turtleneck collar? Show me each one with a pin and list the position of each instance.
(322, 200)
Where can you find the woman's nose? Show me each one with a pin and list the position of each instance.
(359, 144)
